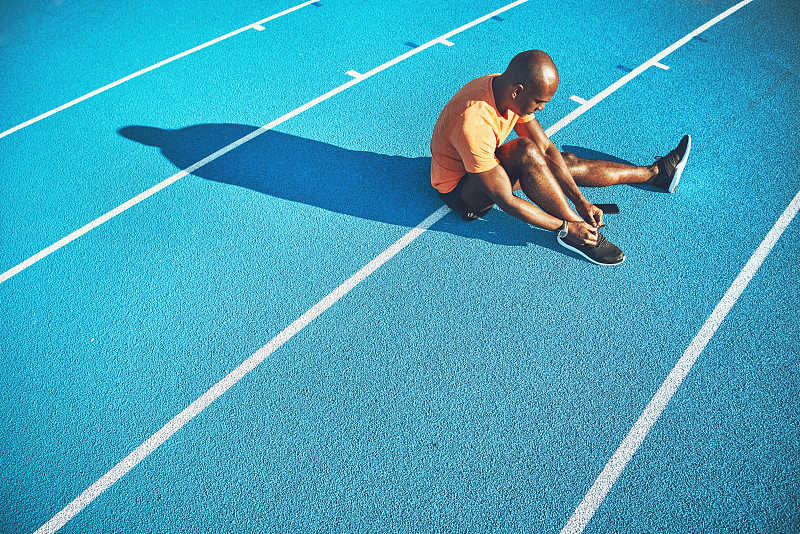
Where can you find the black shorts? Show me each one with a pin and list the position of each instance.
(453, 201)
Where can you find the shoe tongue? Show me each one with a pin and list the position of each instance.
(601, 239)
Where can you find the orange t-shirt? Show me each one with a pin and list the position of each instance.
(467, 133)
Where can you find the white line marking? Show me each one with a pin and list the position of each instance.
(353, 73)
(258, 27)
(190, 412)
(597, 493)
(446, 42)
(660, 66)
(643, 67)
(577, 99)
(174, 178)
(152, 67)
(107, 480)
(163, 434)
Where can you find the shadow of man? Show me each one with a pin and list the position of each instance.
(389, 189)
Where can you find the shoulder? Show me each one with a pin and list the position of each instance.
(469, 112)
(477, 92)
(477, 102)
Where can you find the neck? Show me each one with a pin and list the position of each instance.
(499, 86)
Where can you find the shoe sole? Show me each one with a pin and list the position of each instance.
(573, 249)
(679, 169)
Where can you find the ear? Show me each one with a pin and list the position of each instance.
(517, 90)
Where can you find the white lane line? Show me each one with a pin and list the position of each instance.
(174, 178)
(353, 73)
(446, 42)
(255, 25)
(643, 67)
(660, 66)
(120, 209)
(212, 394)
(597, 493)
(258, 27)
(191, 411)
(163, 434)
(577, 99)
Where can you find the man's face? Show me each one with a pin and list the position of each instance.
(532, 98)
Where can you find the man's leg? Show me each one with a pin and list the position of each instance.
(529, 170)
(598, 173)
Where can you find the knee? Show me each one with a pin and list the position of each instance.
(527, 152)
(569, 158)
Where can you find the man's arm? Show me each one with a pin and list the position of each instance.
(496, 185)
(533, 130)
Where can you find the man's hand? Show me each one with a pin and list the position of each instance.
(581, 233)
(590, 213)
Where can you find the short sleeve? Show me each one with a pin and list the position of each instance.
(525, 118)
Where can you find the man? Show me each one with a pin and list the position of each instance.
(473, 170)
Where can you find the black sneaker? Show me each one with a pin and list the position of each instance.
(671, 166)
(603, 253)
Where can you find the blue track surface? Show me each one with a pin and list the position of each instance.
(481, 379)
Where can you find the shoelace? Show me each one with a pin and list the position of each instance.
(601, 240)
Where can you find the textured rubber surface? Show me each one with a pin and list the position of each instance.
(482, 377)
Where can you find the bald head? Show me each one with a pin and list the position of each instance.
(533, 67)
(529, 81)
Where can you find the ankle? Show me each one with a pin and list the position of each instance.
(653, 173)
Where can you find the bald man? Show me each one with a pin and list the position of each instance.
(473, 169)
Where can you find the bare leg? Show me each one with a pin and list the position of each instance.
(598, 173)
(529, 170)
(524, 165)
